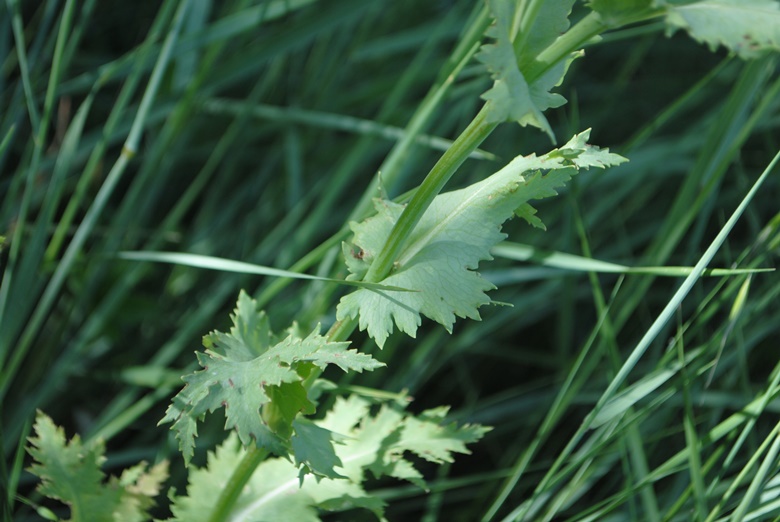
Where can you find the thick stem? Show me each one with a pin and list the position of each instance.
(228, 496)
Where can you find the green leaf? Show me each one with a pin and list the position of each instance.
(453, 236)
(70, 472)
(286, 401)
(748, 28)
(618, 12)
(340, 449)
(427, 438)
(367, 438)
(512, 97)
(550, 22)
(528, 213)
(313, 447)
(244, 371)
(274, 493)
(378, 443)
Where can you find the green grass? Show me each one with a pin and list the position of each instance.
(254, 131)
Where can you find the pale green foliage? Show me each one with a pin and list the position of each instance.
(453, 236)
(274, 493)
(748, 28)
(376, 443)
(247, 369)
(616, 12)
(512, 97)
(70, 472)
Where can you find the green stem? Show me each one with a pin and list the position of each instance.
(243, 472)
(442, 171)
(521, 29)
(570, 41)
(465, 144)
(575, 38)
(342, 330)
(470, 139)
(475, 133)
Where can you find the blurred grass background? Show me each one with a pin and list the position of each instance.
(250, 130)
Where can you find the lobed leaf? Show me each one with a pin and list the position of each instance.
(512, 96)
(377, 443)
(70, 472)
(313, 448)
(245, 371)
(748, 28)
(453, 236)
(273, 493)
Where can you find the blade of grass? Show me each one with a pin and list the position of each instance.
(230, 265)
(691, 437)
(562, 260)
(40, 125)
(650, 335)
(580, 371)
(330, 121)
(128, 151)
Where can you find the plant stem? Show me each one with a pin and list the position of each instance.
(470, 139)
(243, 472)
(475, 133)
(442, 171)
(567, 43)
(521, 29)
(453, 158)
(342, 330)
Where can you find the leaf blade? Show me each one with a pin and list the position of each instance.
(454, 235)
(748, 28)
(513, 97)
(247, 372)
